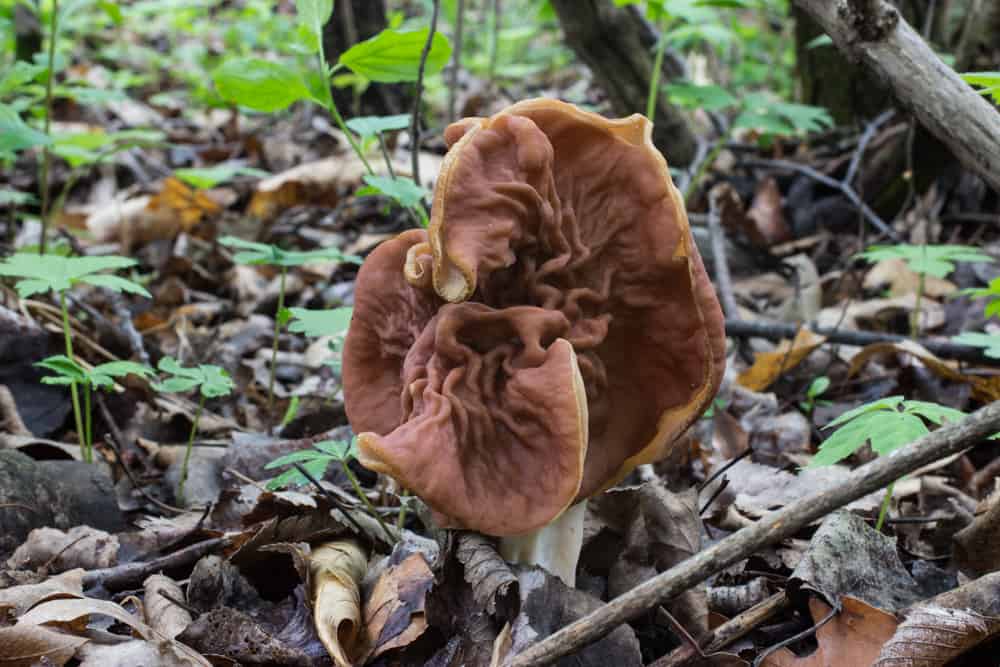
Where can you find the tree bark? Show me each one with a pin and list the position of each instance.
(617, 44)
(947, 106)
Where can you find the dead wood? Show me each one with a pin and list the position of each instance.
(773, 528)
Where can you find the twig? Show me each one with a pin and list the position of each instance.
(415, 123)
(334, 500)
(772, 528)
(125, 576)
(780, 330)
(759, 660)
(456, 60)
(843, 187)
(866, 138)
(728, 632)
(723, 279)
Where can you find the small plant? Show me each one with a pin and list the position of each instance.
(317, 323)
(816, 389)
(253, 253)
(992, 291)
(934, 260)
(989, 342)
(43, 273)
(210, 381)
(70, 373)
(391, 56)
(315, 461)
(887, 424)
(988, 82)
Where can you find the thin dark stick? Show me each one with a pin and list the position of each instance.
(415, 123)
(708, 503)
(456, 60)
(866, 138)
(183, 605)
(772, 528)
(759, 660)
(332, 498)
(780, 330)
(722, 469)
(845, 189)
(125, 576)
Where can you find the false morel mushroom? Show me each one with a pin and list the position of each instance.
(551, 330)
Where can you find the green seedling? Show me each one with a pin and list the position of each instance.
(210, 381)
(70, 373)
(887, 424)
(816, 389)
(316, 461)
(391, 56)
(934, 260)
(991, 291)
(317, 323)
(253, 253)
(988, 82)
(209, 177)
(43, 273)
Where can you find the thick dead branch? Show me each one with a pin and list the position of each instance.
(131, 575)
(873, 33)
(771, 529)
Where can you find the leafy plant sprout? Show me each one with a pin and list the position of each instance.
(210, 381)
(69, 372)
(935, 260)
(888, 424)
(816, 389)
(315, 461)
(43, 273)
(253, 253)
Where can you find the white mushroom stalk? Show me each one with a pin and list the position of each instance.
(555, 547)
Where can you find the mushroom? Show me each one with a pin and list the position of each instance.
(551, 330)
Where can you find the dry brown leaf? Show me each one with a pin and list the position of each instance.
(932, 636)
(985, 389)
(896, 276)
(337, 569)
(20, 599)
(767, 222)
(58, 551)
(853, 637)
(166, 617)
(394, 612)
(31, 645)
(769, 366)
(74, 615)
(880, 314)
(975, 545)
(135, 653)
(316, 183)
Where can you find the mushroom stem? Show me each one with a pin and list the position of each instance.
(555, 547)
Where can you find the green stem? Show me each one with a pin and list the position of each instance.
(337, 118)
(915, 318)
(88, 419)
(885, 507)
(364, 499)
(46, 155)
(73, 391)
(654, 77)
(274, 344)
(190, 446)
(401, 519)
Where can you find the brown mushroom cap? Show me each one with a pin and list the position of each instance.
(554, 328)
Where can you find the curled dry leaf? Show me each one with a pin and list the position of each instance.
(769, 366)
(852, 637)
(163, 615)
(494, 586)
(394, 612)
(19, 599)
(933, 636)
(337, 569)
(975, 545)
(30, 645)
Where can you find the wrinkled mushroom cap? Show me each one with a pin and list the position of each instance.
(552, 329)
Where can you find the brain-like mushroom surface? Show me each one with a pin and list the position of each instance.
(552, 329)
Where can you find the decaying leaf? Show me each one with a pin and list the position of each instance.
(976, 544)
(31, 645)
(854, 636)
(896, 276)
(58, 551)
(933, 635)
(494, 585)
(163, 613)
(19, 599)
(768, 225)
(394, 611)
(337, 570)
(769, 366)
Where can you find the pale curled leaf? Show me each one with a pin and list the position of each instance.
(29, 645)
(162, 614)
(933, 635)
(337, 569)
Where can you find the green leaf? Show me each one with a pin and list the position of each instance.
(175, 385)
(19, 74)
(935, 260)
(989, 342)
(320, 322)
(263, 253)
(693, 96)
(989, 82)
(209, 177)
(892, 430)
(116, 284)
(64, 366)
(338, 449)
(260, 84)
(369, 126)
(888, 403)
(392, 56)
(291, 411)
(301, 456)
(818, 386)
(403, 190)
(313, 14)
(15, 134)
(847, 439)
(818, 41)
(933, 412)
(41, 273)
(216, 381)
(15, 198)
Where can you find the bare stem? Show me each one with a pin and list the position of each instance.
(274, 343)
(73, 391)
(884, 510)
(654, 77)
(367, 503)
(190, 445)
(46, 154)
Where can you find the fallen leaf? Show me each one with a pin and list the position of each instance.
(933, 636)
(394, 612)
(337, 570)
(769, 366)
(163, 615)
(32, 645)
(768, 225)
(895, 276)
(22, 598)
(58, 551)
(976, 544)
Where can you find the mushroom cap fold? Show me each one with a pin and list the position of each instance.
(552, 329)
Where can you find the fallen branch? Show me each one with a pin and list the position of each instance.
(874, 34)
(131, 575)
(779, 330)
(772, 528)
